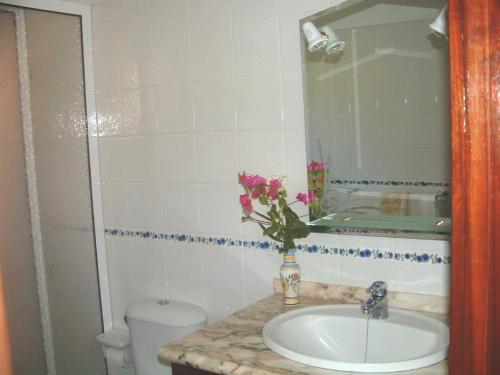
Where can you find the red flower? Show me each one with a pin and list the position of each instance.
(246, 203)
(315, 166)
(302, 197)
(274, 186)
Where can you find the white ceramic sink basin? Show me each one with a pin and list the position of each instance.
(339, 337)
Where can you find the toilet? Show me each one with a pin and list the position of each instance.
(117, 351)
(154, 323)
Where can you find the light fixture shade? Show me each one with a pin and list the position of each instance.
(440, 24)
(334, 45)
(315, 39)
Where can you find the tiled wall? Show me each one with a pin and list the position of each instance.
(188, 94)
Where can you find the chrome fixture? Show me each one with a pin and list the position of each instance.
(377, 304)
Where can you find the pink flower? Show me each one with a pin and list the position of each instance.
(315, 166)
(302, 197)
(245, 180)
(311, 195)
(274, 186)
(258, 181)
(251, 181)
(246, 203)
(255, 193)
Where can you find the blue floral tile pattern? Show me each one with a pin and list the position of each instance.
(390, 183)
(410, 256)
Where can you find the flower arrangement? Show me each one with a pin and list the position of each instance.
(280, 222)
(316, 173)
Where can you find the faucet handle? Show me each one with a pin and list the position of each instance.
(378, 288)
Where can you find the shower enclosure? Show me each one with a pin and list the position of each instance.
(44, 124)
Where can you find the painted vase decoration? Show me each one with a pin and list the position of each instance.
(290, 278)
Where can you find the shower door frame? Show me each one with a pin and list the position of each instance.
(84, 12)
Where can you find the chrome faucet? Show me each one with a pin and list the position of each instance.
(377, 304)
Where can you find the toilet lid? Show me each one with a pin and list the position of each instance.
(167, 312)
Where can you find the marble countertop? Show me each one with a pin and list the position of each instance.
(234, 344)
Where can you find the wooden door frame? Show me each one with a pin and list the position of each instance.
(475, 102)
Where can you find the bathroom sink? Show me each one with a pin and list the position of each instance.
(340, 337)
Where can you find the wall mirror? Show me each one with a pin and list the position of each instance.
(376, 96)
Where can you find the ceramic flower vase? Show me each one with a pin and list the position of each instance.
(290, 278)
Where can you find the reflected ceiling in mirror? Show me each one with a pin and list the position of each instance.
(376, 96)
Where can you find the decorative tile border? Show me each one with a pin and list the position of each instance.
(412, 257)
(390, 183)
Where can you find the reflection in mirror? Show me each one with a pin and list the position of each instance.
(376, 94)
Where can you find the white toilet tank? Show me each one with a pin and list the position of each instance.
(154, 323)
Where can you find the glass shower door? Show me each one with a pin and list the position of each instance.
(61, 154)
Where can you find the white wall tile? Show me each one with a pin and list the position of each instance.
(363, 272)
(144, 206)
(169, 17)
(261, 152)
(136, 64)
(141, 159)
(106, 68)
(422, 278)
(134, 20)
(111, 160)
(109, 116)
(196, 298)
(295, 151)
(261, 267)
(224, 272)
(293, 105)
(219, 307)
(220, 209)
(214, 104)
(143, 291)
(180, 208)
(207, 13)
(177, 154)
(171, 58)
(138, 112)
(290, 48)
(184, 264)
(319, 268)
(174, 108)
(256, 46)
(262, 92)
(307, 7)
(115, 205)
(211, 39)
(119, 259)
(122, 296)
(247, 11)
(147, 258)
(217, 157)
